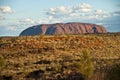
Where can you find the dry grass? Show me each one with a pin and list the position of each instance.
(55, 53)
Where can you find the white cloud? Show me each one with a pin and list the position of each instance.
(11, 28)
(63, 11)
(100, 12)
(84, 7)
(99, 23)
(29, 21)
(1, 17)
(5, 9)
(26, 21)
(81, 11)
(42, 21)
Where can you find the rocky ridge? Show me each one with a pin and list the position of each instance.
(63, 28)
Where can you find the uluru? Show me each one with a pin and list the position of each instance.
(63, 28)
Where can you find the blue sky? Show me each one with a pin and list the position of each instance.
(17, 15)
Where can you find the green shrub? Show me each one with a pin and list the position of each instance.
(85, 66)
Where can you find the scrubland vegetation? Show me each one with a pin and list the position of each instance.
(60, 57)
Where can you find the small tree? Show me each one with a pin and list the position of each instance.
(85, 66)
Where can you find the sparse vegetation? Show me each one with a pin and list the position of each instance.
(57, 56)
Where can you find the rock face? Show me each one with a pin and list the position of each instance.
(63, 28)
